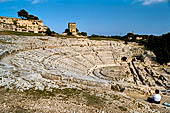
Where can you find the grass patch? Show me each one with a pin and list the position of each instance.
(70, 93)
(64, 36)
(20, 33)
(65, 93)
(103, 38)
(93, 100)
(80, 95)
(39, 94)
(7, 89)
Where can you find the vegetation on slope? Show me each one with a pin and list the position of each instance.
(24, 15)
(160, 45)
(19, 33)
(68, 94)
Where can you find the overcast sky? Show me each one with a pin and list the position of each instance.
(104, 17)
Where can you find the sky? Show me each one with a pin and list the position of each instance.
(102, 17)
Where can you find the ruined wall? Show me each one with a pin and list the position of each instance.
(20, 25)
(72, 28)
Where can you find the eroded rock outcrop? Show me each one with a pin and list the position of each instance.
(77, 59)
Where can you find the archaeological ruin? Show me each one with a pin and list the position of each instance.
(119, 74)
(72, 28)
(21, 25)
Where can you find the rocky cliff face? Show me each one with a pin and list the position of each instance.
(47, 63)
(21, 25)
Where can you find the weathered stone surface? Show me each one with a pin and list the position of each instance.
(117, 87)
(21, 25)
(48, 63)
(80, 59)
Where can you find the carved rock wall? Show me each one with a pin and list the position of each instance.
(20, 25)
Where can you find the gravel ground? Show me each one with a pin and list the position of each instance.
(73, 101)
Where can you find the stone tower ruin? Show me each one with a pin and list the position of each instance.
(72, 28)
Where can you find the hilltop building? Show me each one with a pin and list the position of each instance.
(21, 25)
(72, 28)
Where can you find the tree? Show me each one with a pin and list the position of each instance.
(131, 36)
(77, 30)
(67, 30)
(83, 33)
(69, 33)
(160, 46)
(94, 35)
(48, 32)
(32, 17)
(23, 14)
(126, 42)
